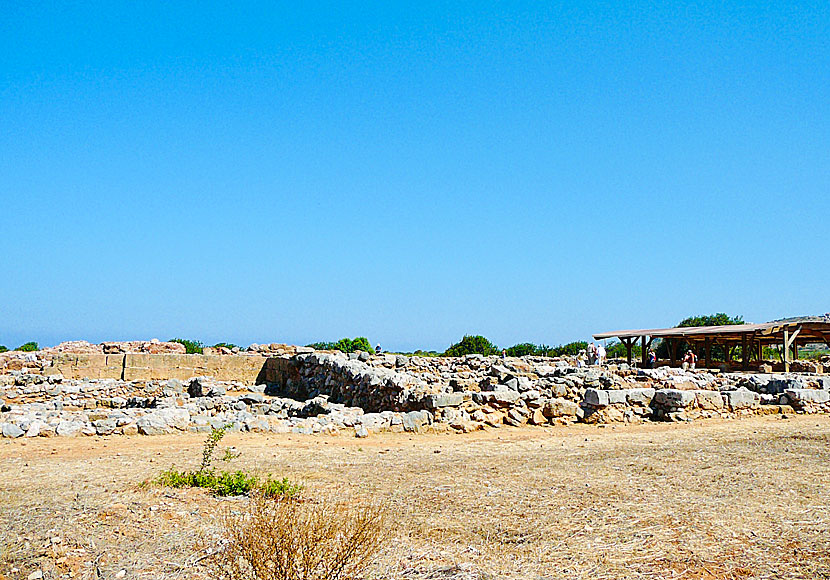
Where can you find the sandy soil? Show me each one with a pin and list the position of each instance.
(712, 499)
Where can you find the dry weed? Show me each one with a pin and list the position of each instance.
(293, 539)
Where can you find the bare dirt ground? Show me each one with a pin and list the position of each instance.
(709, 500)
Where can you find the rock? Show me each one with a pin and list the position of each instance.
(69, 428)
(36, 575)
(361, 432)
(709, 400)
(251, 398)
(801, 396)
(401, 361)
(596, 398)
(414, 420)
(674, 398)
(741, 398)
(444, 400)
(641, 397)
(12, 431)
(560, 408)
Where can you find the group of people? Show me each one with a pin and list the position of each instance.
(595, 354)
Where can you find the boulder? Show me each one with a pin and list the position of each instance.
(444, 400)
(709, 400)
(639, 397)
(742, 398)
(801, 396)
(674, 398)
(596, 398)
(69, 428)
(12, 431)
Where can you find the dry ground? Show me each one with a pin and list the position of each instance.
(731, 499)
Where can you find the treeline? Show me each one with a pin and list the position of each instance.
(477, 344)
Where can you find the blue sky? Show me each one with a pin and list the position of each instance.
(267, 172)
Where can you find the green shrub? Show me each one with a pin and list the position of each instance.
(228, 345)
(28, 347)
(3, 348)
(522, 349)
(345, 345)
(224, 483)
(472, 344)
(191, 346)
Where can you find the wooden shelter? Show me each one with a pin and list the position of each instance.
(752, 338)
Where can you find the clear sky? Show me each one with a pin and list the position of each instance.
(411, 172)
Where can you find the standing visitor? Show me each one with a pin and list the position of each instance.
(601, 355)
(592, 353)
(652, 358)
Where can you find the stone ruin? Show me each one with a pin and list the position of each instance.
(298, 390)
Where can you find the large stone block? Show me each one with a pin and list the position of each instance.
(742, 398)
(801, 396)
(444, 400)
(596, 398)
(709, 400)
(674, 398)
(640, 397)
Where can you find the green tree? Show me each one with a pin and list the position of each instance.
(472, 344)
(719, 319)
(28, 347)
(190, 346)
(345, 345)
(3, 348)
(522, 349)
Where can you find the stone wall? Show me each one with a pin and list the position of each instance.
(248, 369)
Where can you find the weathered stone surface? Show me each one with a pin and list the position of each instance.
(597, 398)
(674, 398)
(444, 400)
(801, 396)
(709, 400)
(69, 428)
(641, 397)
(12, 431)
(741, 398)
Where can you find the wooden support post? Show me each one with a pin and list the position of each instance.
(744, 353)
(707, 352)
(786, 350)
(628, 344)
(795, 350)
(672, 351)
(643, 352)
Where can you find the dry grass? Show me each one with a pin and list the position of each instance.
(319, 538)
(709, 500)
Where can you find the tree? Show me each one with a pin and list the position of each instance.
(719, 319)
(28, 347)
(345, 345)
(190, 346)
(472, 345)
(4, 348)
(522, 349)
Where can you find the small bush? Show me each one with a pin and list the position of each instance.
(228, 483)
(345, 345)
(228, 345)
(288, 539)
(190, 346)
(28, 347)
(3, 348)
(224, 483)
(472, 345)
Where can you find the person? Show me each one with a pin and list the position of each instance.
(503, 353)
(592, 353)
(378, 350)
(689, 360)
(652, 358)
(581, 358)
(601, 355)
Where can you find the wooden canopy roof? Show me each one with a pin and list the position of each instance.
(813, 329)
